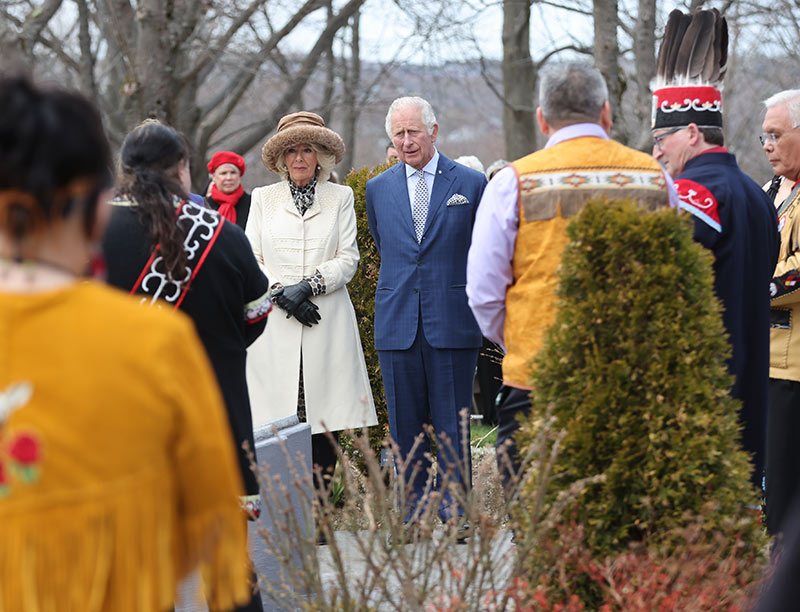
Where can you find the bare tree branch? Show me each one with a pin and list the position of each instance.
(696, 4)
(239, 82)
(86, 68)
(295, 88)
(35, 22)
(555, 51)
(564, 7)
(210, 56)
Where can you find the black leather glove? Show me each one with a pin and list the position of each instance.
(307, 313)
(289, 298)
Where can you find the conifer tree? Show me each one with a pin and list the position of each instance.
(362, 294)
(633, 369)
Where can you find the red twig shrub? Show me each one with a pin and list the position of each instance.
(701, 574)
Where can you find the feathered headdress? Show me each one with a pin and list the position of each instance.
(690, 67)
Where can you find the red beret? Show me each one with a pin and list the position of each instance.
(226, 157)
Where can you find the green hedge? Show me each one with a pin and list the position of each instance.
(634, 369)
(362, 293)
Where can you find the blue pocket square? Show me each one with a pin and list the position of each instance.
(457, 200)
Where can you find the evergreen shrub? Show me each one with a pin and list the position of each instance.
(634, 371)
(362, 293)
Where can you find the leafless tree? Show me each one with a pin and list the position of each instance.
(185, 62)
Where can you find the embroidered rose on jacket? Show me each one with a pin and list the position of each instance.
(20, 451)
(24, 452)
(3, 481)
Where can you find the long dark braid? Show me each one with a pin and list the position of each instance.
(150, 158)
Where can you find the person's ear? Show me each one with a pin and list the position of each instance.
(694, 133)
(605, 117)
(544, 127)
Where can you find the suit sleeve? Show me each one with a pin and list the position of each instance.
(338, 271)
(371, 219)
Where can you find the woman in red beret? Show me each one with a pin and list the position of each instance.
(227, 193)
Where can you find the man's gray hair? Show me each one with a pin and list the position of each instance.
(790, 97)
(428, 118)
(570, 93)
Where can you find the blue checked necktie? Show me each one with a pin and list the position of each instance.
(419, 211)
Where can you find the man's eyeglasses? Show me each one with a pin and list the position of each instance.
(768, 137)
(772, 137)
(660, 138)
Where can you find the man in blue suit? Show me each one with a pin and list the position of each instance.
(420, 215)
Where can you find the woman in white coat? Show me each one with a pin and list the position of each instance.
(303, 233)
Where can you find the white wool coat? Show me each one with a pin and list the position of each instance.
(290, 247)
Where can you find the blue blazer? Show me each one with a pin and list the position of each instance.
(426, 279)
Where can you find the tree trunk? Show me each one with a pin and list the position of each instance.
(330, 75)
(606, 59)
(351, 110)
(519, 80)
(644, 43)
(87, 60)
(152, 76)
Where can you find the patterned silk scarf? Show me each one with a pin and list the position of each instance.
(303, 196)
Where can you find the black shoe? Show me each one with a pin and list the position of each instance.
(461, 527)
(322, 539)
(411, 533)
(463, 532)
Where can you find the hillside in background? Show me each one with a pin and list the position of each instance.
(470, 114)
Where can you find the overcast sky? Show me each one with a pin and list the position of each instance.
(387, 30)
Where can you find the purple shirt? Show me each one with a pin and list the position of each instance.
(494, 235)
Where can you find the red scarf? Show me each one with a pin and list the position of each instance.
(227, 201)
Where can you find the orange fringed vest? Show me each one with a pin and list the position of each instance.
(553, 185)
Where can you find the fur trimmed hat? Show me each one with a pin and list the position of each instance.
(298, 128)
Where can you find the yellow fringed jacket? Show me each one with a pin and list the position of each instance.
(553, 185)
(117, 473)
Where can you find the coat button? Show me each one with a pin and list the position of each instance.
(416, 290)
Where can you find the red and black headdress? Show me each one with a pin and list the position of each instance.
(690, 67)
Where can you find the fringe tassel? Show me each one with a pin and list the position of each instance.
(124, 552)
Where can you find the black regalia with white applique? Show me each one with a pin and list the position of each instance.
(733, 217)
(223, 290)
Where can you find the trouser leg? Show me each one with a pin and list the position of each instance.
(512, 402)
(450, 373)
(405, 384)
(783, 451)
(490, 377)
(323, 455)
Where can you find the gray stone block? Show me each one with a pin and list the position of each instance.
(275, 449)
(297, 440)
